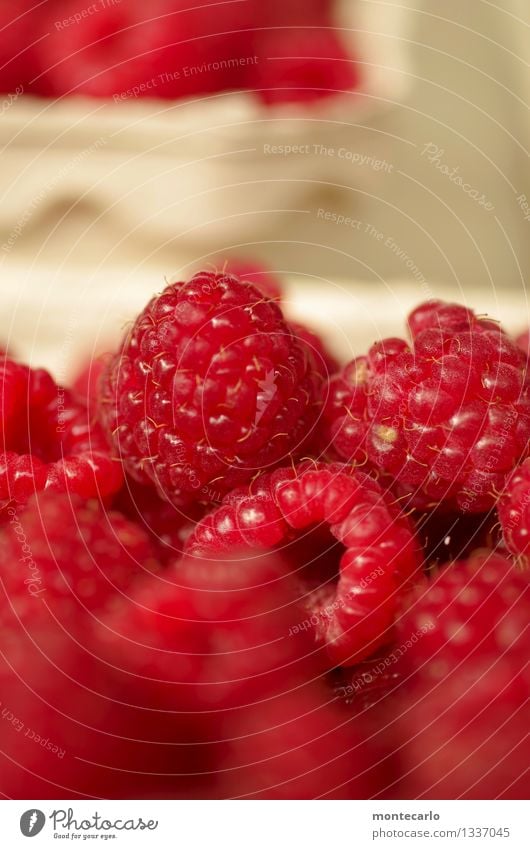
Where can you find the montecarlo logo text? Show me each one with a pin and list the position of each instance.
(66, 821)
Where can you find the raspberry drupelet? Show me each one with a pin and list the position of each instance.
(514, 511)
(48, 441)
(209, 388)
(353, 615)
(445, 418)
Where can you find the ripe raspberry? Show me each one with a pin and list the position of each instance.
(447, 418)
(461, 727)
(514, 511)
(69, 553)
(298, 746)
(355, 616)
(167, 50)
(48, 441)
(210, 386)
(207, 637)
(67, 731)
(64, 561)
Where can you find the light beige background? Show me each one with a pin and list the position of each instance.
(95, 196)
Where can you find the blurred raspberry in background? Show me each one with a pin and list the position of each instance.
(121, 50)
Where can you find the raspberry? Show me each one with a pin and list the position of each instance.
(461, 726)
(210, 387)
(446, 419)
(68, 552)
(167, 50)
(48, 441)
(298, 746)
(66, 730)
(215, 647)
(514, 511)
(208, 637)
(355, 616)
(63, 563)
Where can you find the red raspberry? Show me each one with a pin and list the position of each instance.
(447, 418)
(64, 562)
(67, 552)
(208, 636)
(210, 387)
(461, 727)
(298, 746)
(67, 731)
(514, 511)
(167, 50)
(355, 616)
(48, 441)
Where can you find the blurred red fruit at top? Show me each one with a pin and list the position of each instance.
(167, 50)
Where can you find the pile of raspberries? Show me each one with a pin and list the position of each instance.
(233, 568)
(172, 49)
